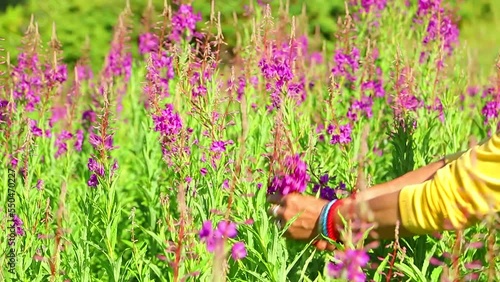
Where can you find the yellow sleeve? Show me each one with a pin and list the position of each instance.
(460, 193)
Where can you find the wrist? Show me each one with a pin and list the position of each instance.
(327, 226)
(322, 221)
(332, 230)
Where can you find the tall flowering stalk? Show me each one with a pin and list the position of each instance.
(27, 80)
(27, 76)
(184, 22)
(148, 39)
(491, 94)
(284, 59)
(174, 140)
(278, 68)
(367, 12)
(159, 72)
(405, 100)
(440, 26)
(175, 147)
(101, 139)
(118, 66)
(346, 64)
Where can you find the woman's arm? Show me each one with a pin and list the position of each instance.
(413, 177)
(381, 198)
(461, 190)
(382, 201)
(451, 196)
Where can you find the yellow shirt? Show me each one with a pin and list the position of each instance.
(462, 192)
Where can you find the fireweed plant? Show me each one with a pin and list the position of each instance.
(157, 169)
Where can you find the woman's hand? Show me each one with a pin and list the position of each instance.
(306, 209)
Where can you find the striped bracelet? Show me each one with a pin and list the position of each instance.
(331, 227)
(323, 219)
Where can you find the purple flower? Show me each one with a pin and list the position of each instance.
(238, 251)
(160, 71)
(17, 224)
(440, 27)
(84, 72)
(218, 146)
(60, 143)
(438, 107)
(324, 179)
(184, 22)
(148, 42)
(342, 136)
(428, 6)
(79, 140)
(226, 229)
(346, 64)
(98, 141)
(93, 181)
(89, 116)
(490, 111)
(168, 123)
(55, 75)
(39, 184)
(35, 130)
(114, 167)
(118, 62)
(58, 113)
(213, 238)
(374, 87)
(405, 101)
(3, 109)
(199, 90)
(294, 179)
(225, 184)
(207, 236)
(367, 6)
(206, 229)
(28, 80)
(364, 106)
(325, 191)
(242, 83)
(14, 162)
(349, 265)
(203, 171)
(279, 74)
(95, 167)
(316, 57)
(472, 90)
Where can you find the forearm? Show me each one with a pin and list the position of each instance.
(432, 195)
(379, 204)
(413, 177)
(381, 210)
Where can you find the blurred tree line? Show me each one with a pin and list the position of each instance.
(80, 20)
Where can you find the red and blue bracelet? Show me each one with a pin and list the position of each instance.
(327, 222)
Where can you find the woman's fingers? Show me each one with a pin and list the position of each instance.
(275, 199)
(324, 245)
(330, 247)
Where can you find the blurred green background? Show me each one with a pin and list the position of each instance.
(77, 20)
